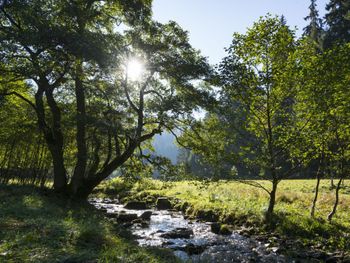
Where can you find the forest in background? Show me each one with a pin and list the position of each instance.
(277, 106)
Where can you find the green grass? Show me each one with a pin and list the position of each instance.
(38, 226)
(240, 204)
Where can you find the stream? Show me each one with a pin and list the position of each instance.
(191, 241)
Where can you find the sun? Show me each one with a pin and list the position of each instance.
(135, 69)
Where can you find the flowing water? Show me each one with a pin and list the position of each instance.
(193, 241)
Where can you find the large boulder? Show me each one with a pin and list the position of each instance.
(163, 204)
(136, 205)
(184, 233)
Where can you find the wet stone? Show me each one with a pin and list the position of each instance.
(207, 215)
(192, 249)
(112, 215)
(215, 228)
(136, 205)
(146, 215)
(127, 225)
(163, 204)
(225, 230)
(185, 233)
(126, 217)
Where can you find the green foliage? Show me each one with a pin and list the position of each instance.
(210, 140)
(255, 74)
(322, 100)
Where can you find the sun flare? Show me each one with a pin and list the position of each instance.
(135, 68)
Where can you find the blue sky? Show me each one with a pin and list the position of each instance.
(211, 23)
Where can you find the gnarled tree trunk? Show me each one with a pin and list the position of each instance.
(53, 135)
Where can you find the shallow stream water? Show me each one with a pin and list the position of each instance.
(201, 246)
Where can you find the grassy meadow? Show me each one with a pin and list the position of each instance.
(240, 205)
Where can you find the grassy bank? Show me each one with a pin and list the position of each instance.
(37, 226)
(243, 205)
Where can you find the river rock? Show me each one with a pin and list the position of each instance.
(112, 215)
(207, 215)
(146, 215)
(215, 228)
(163, 204)
(136, 205)
(192, 249)
(225, 230)
(137, 221)
(184, 233)
(123, 217)
(127, 225)
(220, 229)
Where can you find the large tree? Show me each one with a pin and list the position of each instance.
(74, 56)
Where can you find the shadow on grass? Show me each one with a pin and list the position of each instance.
(38, 226)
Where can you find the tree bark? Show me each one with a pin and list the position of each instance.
(272, 200)
(80, 168)
(55, 144)
(336, 202)
(318, 178)
(53, 136)
(88, 184)
(313, 207)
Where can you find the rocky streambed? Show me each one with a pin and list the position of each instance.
(191, 241)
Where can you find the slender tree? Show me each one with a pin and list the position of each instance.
(255, 74)
(323, 100)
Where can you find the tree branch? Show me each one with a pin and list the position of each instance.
(21, 97)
